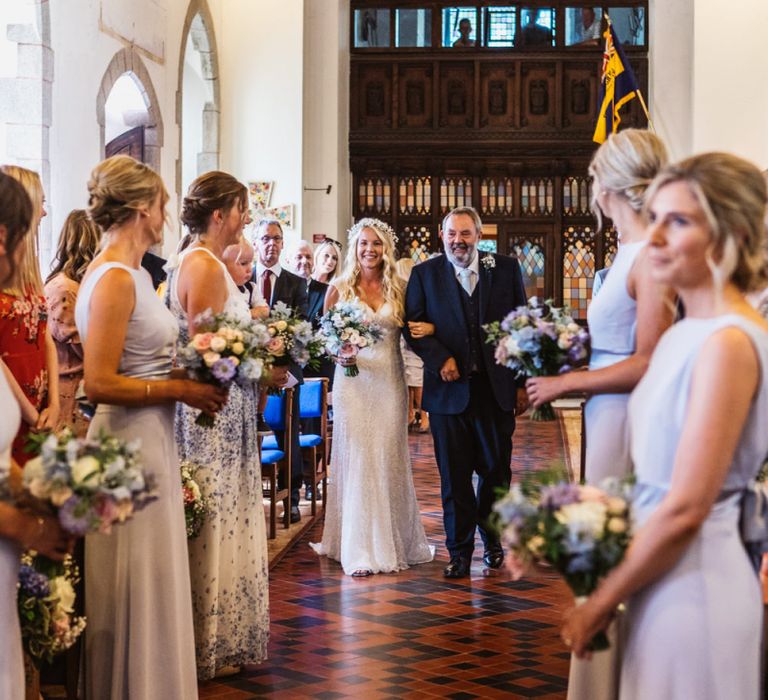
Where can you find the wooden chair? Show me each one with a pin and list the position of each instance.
(278, 414)
(313, 403)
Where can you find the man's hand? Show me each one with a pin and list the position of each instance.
(449, 372)
(521, 405)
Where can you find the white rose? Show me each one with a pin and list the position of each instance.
(211, 358)
(85, 469)
(511, 346)
(61, 590)
(564, 341)
(34, 470)
(218, 344)
(281, 325)
(238, 348)
(585, 518)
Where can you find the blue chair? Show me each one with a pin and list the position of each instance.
(313, 404)
(278, 414)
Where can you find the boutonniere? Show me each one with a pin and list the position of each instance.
(489, 262)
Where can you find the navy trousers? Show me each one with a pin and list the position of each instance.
(479, 440)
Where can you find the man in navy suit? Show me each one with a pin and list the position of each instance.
(277, 284)
(472, 401)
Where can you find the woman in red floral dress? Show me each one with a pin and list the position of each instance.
(27, 350)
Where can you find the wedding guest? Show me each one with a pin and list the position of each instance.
(280, 285)
(472, 401)
(418, 419)
(78, 244)
(19, 529)
(326, 265)
(372, 519)
(625, 321)
(26, 345)
(697, 427)
(139, 642)
(228, 560)
(300, 260)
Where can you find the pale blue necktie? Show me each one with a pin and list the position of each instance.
(466, 277)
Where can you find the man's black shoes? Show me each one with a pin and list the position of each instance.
(493, 556)
(458, 568)
(295, 514)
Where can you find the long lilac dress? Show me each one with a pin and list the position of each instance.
(695, 632)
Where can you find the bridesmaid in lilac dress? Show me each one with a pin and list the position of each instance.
(697, 425)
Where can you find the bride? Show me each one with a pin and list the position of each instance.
(372, 521)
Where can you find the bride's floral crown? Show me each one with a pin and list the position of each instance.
(382, 229)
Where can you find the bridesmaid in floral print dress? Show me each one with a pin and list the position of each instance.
(27, 349)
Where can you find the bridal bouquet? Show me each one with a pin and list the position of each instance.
(196, 506)
(91, 483)
(291, 338)
(225, 350)
(582, 531)
(46, 600)
(538, 340)
(345, 329)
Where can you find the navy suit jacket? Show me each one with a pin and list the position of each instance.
(316, 296)
(433, 295)
(292, 291)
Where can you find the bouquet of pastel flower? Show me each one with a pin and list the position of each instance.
(225, 350)
(582, 531)
(291, 338)
(345, 329)
(46, 600)
(91, 483)
(196, 506)
(538, 340)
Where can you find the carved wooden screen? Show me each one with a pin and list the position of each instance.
(500, 125)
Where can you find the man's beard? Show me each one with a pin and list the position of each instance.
(466, 251)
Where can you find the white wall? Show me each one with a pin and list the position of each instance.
(260, 59)
(326, 118)
(709, 76)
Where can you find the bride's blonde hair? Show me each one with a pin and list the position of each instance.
(392, 285)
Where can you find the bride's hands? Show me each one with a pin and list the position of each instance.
(420, 329)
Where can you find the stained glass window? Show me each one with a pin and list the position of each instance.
(375, 195)
(499, 26)
(578, 269)
(610, 246)
(576, 196)
(415, 195)
(497, 196)
(537, 197)
(415, 243)
(530, 255)
(455, 192)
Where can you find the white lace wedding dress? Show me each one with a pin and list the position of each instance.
(372, 519)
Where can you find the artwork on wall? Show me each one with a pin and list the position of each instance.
(260, 193)
(283, 214)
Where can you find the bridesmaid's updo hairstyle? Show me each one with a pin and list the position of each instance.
(118, 187)
(732, 195)
(207, 193)
(626, 164)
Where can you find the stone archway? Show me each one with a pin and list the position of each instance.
(198, 29)
(128, 61)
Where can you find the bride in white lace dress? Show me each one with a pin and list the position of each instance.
(372, 520)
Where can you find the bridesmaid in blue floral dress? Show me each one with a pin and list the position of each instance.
(697, 425)
(228, 560)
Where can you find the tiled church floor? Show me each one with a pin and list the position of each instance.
(412, 634)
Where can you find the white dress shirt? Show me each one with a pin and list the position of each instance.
(474, 266)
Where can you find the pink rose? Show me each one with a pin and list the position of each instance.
(348, 351)
(276, 347)
(202, 341)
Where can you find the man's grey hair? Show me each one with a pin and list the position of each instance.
(263, 223)
(471, 212)
(297, 246)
